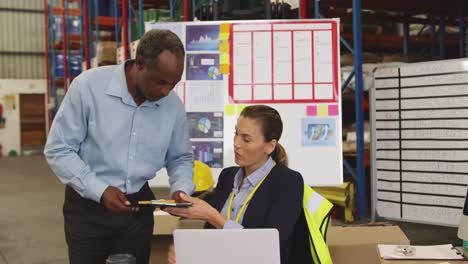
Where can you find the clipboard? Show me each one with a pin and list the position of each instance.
(410, 252)
(162, 203)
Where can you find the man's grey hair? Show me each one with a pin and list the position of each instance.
(155, 41)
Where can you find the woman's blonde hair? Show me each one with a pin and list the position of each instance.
(272, 128)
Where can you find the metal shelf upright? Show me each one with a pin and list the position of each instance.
(48, 61)
(84, 33)
(65, 44)
(125, 43)
(357, 74)
(357, 48)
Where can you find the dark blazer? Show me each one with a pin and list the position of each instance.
(276, 204)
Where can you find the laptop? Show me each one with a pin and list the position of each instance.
(463, 226)
(227, 246)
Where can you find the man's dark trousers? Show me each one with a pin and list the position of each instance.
(93, 233)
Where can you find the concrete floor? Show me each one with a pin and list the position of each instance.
(31, 224)
(31, 221)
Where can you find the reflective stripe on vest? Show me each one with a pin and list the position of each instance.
(316, 211)
(318, 207)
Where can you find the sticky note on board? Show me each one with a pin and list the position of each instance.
(322, 110)
(223, 36)
(224, 68)
(224, 28)
(224, 47)
(332, 110)
(224, 58)
(240, 108)
(229, 110)
(311, 110)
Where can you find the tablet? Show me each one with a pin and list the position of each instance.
(162, 203)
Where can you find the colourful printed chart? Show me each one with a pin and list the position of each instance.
(284, 62)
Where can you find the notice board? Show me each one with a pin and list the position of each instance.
(420, 141)
(291, 65)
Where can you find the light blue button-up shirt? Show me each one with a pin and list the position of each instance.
(241, 194)
(101, 138)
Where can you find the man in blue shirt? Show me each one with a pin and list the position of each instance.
(117, 126)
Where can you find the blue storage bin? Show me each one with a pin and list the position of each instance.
(74, 26)
(57, 28)
(75, 64)
(59, 65)
(103, 7)
(111, 7)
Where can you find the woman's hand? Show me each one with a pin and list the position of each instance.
(171, 255)
(199, 210)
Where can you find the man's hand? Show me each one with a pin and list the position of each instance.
(115, 201)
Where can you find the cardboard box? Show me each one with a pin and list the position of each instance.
(133, 48)
(191, 224)
(120, 55)
(358, 244)
(105, 52)
(164, 223)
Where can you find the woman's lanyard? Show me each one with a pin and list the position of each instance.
(239, 214)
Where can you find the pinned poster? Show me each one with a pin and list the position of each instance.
(322, 110)
(224, 58)
(229, 110)
(205, 124)
(311, 110)
(224, 68)
(208, 152)
(202, 38)
(233, 110)
(224, 28)
(224, 31)
(205, 96)
(223, 36)
(224, 47)
(332, 110)
(318, 132)
(10, 102)
(203, 66)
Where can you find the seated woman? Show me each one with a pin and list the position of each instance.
(262, 192)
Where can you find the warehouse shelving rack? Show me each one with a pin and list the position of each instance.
(60, 41)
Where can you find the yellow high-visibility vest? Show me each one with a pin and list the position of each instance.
(317, 213)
